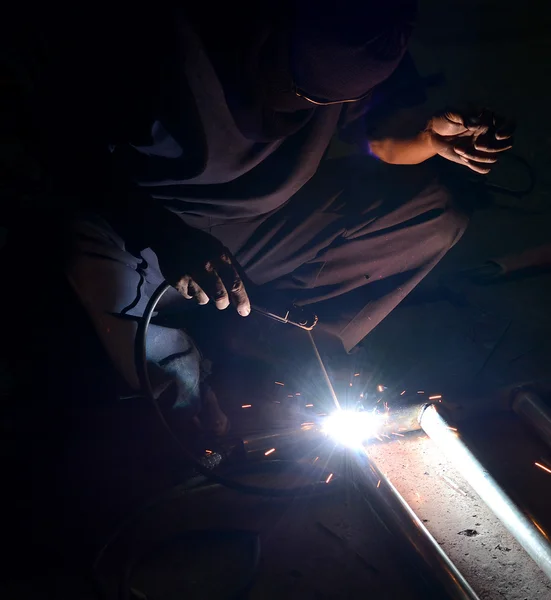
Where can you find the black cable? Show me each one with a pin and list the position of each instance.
(143, 376)
(516, 193)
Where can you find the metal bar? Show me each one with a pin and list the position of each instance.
(528, 533)
(445, 579)
(529, 407)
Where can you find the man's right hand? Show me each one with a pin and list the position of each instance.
(201, 268)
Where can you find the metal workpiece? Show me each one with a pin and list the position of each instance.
(403, 419)
(444, 578)
(531, 409)
(527, 531)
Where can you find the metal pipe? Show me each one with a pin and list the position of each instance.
(530, 408)
(528, 533)
(445, 579)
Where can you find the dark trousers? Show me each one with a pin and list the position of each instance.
(352, 243)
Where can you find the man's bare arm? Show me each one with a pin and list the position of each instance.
(472, 140)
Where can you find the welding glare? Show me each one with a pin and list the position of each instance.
(351, 428)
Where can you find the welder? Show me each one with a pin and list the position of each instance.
(201, 140)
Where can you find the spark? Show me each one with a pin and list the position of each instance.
(361, 395)
(378, 484)
(297, 394)
(307, 423)
(452, 428)
(246, 406)
(279, 383)
(402, 393)
(420, 392)
(208, 451)
(543, 467)
(269, 451)
(308, 405)
(329, 478)
(356, 374)
(290, 396)
(540, 529)
(277, 402)
(437, 397)
(316, 459)
(418, 495)
(400, 434)
(380, 388)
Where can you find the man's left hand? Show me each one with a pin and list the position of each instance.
(473, 140)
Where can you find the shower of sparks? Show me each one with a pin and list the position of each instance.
(246, 406)
(270, 451)
(543, 467)
(380, 388)
(378, 484)
(278, 383)
(308, 405)
(437, 397)
(402, 393)
(329, 478)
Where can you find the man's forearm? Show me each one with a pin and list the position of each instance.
(403, 151)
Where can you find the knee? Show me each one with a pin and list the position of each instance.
(178, 375)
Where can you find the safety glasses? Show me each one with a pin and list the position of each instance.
(321, 102)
